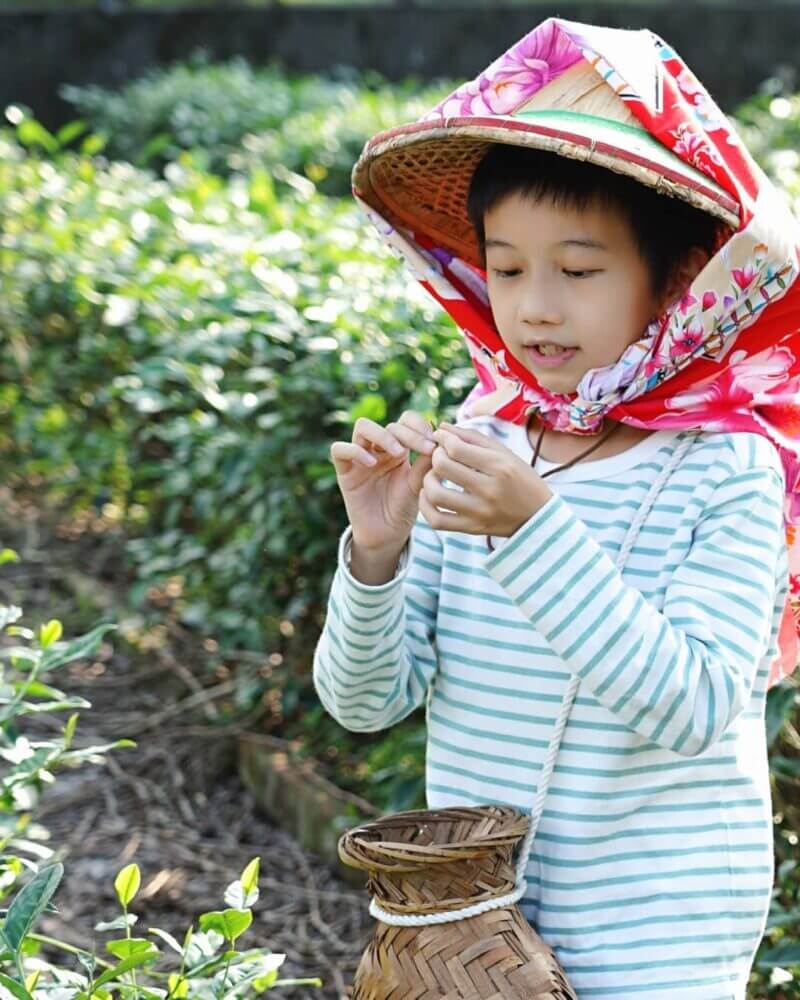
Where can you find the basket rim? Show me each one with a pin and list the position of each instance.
(397, 855)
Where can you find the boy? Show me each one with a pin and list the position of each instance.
(651, 867)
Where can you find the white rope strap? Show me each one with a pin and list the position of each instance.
(411, 920)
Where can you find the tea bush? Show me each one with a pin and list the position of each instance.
(235, 118)
(183, 350)
(211, 966)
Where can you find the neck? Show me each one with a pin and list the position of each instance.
(559, 446)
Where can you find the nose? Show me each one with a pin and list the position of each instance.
(537, 304)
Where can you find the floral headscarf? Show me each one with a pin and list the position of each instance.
(725, 356)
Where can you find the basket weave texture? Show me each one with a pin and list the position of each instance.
(436, 861)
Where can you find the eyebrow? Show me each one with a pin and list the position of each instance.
(589, 244)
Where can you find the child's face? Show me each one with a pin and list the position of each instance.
(565, 278)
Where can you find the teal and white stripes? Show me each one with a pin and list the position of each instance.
(652, 867)
(678, 676)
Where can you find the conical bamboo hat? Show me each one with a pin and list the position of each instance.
(417, 176)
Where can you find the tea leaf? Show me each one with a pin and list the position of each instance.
(249, 877)
(132, 947)
(50, 633)
(229, 923)
(127, 883)
(29, 904)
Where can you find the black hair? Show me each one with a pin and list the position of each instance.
(664, 228)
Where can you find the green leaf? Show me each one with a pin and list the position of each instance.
(118, 923)
(206, 968)
(131, 947)
(781, 700)
(249, 877)
(69, 729)
(50, 633)
(788, 767)
(29, 904)
(36, 689)
(125, 966)
(20, 656)
(70, 131)
(31, 133)
(236, 896)
(78, 649)
(202, 946)
(178, 986)
(17, 989)
(94, 144)
(85, 753)
(127, 883)
(8, 555)
(168, 938)
(264, 982)
(371, 406)
(783, 955)
(88, 961)
(9, 613)
(229, 923)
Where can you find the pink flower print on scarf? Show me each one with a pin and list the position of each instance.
(706, 111)
(695, 148)
(720, 403)
(744, 276)
(690, 338)
(513, 78)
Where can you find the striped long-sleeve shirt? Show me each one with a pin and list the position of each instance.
(652, 867)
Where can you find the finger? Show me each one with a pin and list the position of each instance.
(447, 467)
(436, 518)
(344, 451)
(472, 436)
(415, 438)
(373, 436)
(420, 467)
(467, 453)
(444, 497)
(421, 438)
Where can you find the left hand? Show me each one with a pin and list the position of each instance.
(501, 491)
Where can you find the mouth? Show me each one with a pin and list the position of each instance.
(549, 355)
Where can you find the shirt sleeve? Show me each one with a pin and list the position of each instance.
(376, 655)
(680, 676)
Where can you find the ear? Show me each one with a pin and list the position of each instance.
(692, 263)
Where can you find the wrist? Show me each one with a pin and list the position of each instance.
(376, 565)
(536, 497)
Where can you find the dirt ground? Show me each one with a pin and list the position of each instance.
(174, 805)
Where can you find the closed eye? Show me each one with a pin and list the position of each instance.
(580, 274)
(513, 272)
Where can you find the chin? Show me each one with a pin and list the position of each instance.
(562, 385)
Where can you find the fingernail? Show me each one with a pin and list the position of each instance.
(397, 448)
(429, 446)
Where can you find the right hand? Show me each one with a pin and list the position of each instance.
(379, 485)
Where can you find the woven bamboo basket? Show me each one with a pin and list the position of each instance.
(438, 861)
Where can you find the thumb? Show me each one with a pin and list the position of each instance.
(418, 472)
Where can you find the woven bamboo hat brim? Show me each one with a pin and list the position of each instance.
(417, 176)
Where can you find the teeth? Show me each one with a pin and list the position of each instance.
(547, 349)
